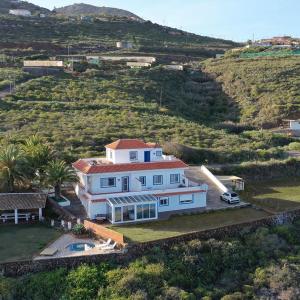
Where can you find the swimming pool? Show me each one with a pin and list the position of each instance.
(76, 247)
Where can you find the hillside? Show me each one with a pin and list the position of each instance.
(6, 5)
(266, 90)
(54, 32)
(80, 114)
(86, 9)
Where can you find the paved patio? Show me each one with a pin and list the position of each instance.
(62, 246)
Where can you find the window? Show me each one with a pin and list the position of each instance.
(186, 199)
(133, 155)
(110, 154)
(164, 201)
(157, 180)
(146, 211)
(143, 180)
(158, 153)
(174, 178)
(118, 214)
(108, 182)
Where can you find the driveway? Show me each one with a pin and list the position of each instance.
(213, 195)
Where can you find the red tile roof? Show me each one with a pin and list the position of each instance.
(85, 167)
(130, 144)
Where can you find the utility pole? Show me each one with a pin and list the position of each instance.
(160, 98)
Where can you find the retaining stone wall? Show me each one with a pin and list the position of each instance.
(137, 250)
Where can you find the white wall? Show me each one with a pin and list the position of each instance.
(96, 208)
(122, 156)
(199, 201)
(214, 179)
(95, 187)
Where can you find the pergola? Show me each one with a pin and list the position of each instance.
(22, 201)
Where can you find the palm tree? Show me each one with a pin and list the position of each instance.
(37, 154)
(58, 172)
(11, 163)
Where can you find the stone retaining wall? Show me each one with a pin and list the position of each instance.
(136, 250)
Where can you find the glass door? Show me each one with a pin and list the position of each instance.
(125, 184)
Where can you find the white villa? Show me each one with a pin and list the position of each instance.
(136, 182)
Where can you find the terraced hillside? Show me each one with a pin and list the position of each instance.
(267, 90)
(80, 114)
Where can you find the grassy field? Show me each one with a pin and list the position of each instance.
(19, 242)
(179, 225)
(276, 195)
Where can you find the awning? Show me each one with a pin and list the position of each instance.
(129, 200)
(22, 201)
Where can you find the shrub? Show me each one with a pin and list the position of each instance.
(79, 229)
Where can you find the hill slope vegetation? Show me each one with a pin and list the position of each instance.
(86, 9)
(267, 90)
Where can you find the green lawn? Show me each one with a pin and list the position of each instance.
(276, 195)
(179, 225)
(19, 242)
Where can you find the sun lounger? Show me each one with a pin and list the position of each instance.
(110, 247)
(104, 244)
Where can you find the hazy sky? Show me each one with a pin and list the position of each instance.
(230, 19)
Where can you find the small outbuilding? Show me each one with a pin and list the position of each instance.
(138, 65)
(234, 182)
(125, 45)
(16, 206)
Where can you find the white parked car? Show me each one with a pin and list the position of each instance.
(230, 198)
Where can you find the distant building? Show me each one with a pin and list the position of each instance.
(42, 16)
(87, 18)
(294, 124)
(43, 67)
(174, 67)
(219, 56)
(20, 12)
(94, 60)
(124, 45)
(141, 59)
(138, 65)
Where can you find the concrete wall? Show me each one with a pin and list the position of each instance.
(214, 179)
(105, 233)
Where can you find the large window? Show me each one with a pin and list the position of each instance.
(133, 155)
(108, 182)
(128, 213)
(164, 201)
(186, 199)
(146, 211)
(143, 180)
(174, 178)
(157, 180)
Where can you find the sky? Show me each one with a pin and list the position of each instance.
(237, 20)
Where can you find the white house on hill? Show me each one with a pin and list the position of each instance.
(136, 182)
(20, 12)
